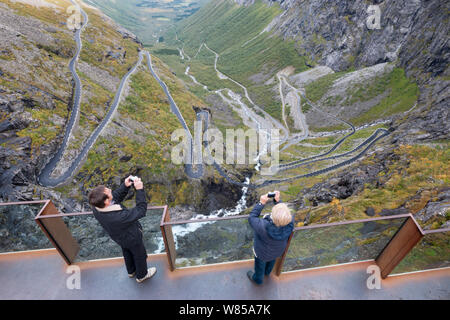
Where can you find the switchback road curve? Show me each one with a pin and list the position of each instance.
(44, 177)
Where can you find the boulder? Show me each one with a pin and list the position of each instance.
(370, 211)
(392, 212)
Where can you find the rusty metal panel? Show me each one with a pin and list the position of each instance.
(58, 233)
(280, 261)
(400, 245)
(169, 242)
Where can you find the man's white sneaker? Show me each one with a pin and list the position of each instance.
(150, 273)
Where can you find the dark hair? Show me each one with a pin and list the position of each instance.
(97, 197)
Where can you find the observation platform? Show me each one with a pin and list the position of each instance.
(42, 274)
(327, 262)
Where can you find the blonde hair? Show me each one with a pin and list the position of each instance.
(281, 215)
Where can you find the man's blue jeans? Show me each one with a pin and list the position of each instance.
(262, 268)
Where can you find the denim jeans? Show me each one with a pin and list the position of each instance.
(262, 268)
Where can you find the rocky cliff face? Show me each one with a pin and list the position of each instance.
(36, 98)
(411, 34)
(340, 34)
(36, 86)
(27, 44)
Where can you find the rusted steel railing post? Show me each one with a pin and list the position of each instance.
(280, 261)
(399, 246)
(51, 223)
(169, 242)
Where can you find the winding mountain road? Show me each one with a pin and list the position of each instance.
(192, 170)
(221, 75)
(45, 178)
(189, 166)
(365, 145)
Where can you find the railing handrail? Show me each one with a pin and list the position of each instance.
(23, 202)
(340, 223)
(84, 213)
(436, 231)
(165, 222)
(315, 226)
(178, 222)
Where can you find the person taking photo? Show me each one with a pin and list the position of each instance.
(122, 224)
(271, 234)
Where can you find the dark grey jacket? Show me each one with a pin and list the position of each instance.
(121, 223)
(270, 240)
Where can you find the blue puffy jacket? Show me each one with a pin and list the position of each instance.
(270, 240)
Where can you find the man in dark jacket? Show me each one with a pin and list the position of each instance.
(271, 235)
(122, 224)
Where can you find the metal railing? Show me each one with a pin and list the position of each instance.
(66, 232)
(431, 252)
(396, 243)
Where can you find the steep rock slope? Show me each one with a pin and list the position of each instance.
(399, 74)
(412, 34)
(36, 97)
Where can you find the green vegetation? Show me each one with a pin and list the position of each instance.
(402, 94)
(46, 130)
(6, 55)
(227, 28)
(433, 251)
(205, 74)
(147, 111)
(357, 138)
(166, 52)
(45, 14)
(317, 89)
(421, 169)
(398, 95)
(148, 19)
(323, 144)
(143, 105)
(323, 141)
(46, 71)
(99, 38)
(184, 99)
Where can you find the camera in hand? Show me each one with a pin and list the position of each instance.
(132, 179)
(272, 195)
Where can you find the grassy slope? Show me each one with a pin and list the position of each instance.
(98, 38)
(426, 168)
(102, 38)
(401, 94)
(106, 38)
(225, 27)
(149, 143)
(324, 144)
(115, 10)
(43, 72)
(141, 20)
